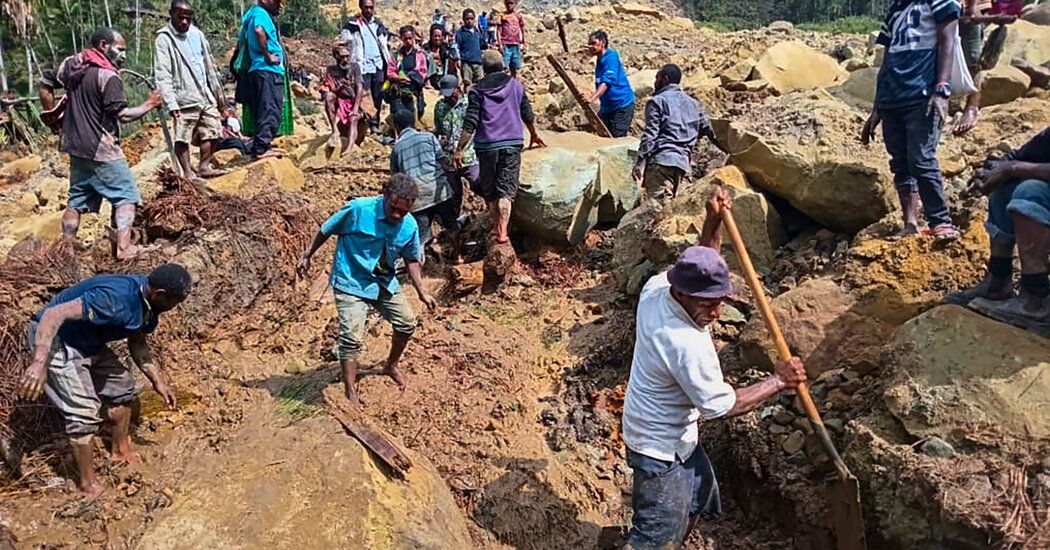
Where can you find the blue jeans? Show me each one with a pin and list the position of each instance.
(667, 495)
(911, 140)
(619, 121)
(1029, 198)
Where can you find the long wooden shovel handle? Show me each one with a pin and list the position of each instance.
(778, 338)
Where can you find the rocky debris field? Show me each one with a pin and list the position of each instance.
(511, 414)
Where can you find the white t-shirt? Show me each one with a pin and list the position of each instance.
(676, 378)
(234, 124)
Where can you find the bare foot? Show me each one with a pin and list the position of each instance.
(351, 396)
(906, 231)
(395, 373)
(124, 457)
(969, 120)
(92, 490)
(212, 172)
(131, 252)
(272, 153)
(346, 152)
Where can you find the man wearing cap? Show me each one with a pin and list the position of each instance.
(676, 379)
(448, 127)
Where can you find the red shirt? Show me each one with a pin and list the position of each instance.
(511, 29)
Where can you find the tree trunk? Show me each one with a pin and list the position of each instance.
(29, 67)
(138, 29)
(3, 71)
(51, 48)
(72, 25)
(109, 20)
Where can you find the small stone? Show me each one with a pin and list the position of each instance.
(937, 448)
(777, 429)
(864, 367)
(794, 442)
(830, 376)
(834, 424)
(783, 417)
(837, 400)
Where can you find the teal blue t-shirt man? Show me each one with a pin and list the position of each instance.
(257, 16)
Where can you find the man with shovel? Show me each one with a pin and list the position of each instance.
(676, 379)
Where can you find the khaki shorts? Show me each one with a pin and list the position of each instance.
(196, 125)
(353, 314)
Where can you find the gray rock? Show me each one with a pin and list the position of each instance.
(794, 442)
(937, 447)
(834, 424)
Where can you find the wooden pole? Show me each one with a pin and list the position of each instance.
(561, 34)
(588, 111)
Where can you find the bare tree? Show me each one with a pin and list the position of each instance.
(20, 13)
(109, 20)
(3, 71)
(138, 28)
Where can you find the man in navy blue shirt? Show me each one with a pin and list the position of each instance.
(611, 86)
(911, 102)
(72, 361)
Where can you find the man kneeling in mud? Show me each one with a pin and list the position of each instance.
(372, 234)
(82, 375)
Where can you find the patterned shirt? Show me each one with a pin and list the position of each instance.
(418, 155)
(909, 33)
(448, 126)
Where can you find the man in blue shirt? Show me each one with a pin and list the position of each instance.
(611, 86)
(264, 92)
(72, 361)
(372, 234)
(911, 102)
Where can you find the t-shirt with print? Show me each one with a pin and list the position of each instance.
(511, 29)
(94, 100)
(114, 307)
(909, 33)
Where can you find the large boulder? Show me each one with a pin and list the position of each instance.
(1038, 14)
(803, 148)
(792, 65)
(858, 91)
(260, 176)
(823, 324)
(1028, 41)
(1040, 74)
(739, 72)
(272, 491)
(642, 83)
(1003, 84)
(634, 8)
(655, 236)
(574, 183)
(956, 373)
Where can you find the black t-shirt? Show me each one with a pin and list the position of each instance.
(94, 99)
(1037, 150)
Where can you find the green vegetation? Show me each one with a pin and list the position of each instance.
(300, 399)
(853, 24)
(35, 35)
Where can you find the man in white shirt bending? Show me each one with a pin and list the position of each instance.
(676, 379)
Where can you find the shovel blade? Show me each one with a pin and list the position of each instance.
(846, 514)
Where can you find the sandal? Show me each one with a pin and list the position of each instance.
(945, 233)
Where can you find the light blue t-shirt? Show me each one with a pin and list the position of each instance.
(259, 17)
(609, 71)
(909, 33)
(367, 247)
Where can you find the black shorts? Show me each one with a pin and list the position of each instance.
(499, 170)
(619, 121)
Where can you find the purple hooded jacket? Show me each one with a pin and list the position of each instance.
(497, 110)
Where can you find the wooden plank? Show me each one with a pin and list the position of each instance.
(588, 111)
(370, 436)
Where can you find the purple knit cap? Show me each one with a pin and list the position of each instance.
(701, 272)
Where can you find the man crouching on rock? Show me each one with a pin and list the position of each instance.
(372, 234)
(676, 379)
(72, 360)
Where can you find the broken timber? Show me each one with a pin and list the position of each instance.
(588, 111)
(561, 34)
(372, 438)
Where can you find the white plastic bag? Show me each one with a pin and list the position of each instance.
(961, 83)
